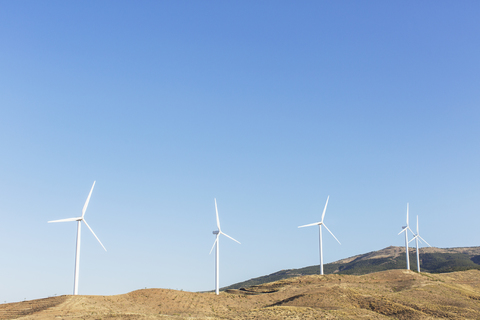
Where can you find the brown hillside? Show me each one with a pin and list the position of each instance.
(397, 294)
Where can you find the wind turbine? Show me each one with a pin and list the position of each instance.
(418, 238)
(320, 224)
(405, 229)
(79, 226)
(217, 233)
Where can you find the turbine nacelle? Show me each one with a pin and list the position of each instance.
(406, 229)
(216, 232)
(312, 224)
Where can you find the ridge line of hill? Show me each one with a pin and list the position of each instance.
(432, 260)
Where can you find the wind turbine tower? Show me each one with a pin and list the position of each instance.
(217, 233)
(79, 227)
(417, 239)
(320, 224)
(405, 229)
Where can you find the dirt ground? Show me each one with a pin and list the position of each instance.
(393, 294)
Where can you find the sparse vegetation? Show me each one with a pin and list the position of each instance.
(433, 260)
(396, 294)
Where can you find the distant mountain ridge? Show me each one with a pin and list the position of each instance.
(433, 260)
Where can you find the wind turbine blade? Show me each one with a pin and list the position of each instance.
(410, 230)
(413, 239)
(226, 235)
(311, 224)
(88, 200)
(331, 233)
(214, 243)
(424, 241)
(94, 234)
(402, 231)
(216, 211)
(407, 214)
(325, 209)
(65, 220)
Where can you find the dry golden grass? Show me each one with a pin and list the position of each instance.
(393, 294)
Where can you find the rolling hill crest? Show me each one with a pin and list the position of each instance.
(433, 260)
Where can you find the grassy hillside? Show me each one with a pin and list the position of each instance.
(392, 294)
(433, 260)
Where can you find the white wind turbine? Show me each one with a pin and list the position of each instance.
(79, 225)
(320, 224)
(418, 238)
(405, 229)
(217, 253)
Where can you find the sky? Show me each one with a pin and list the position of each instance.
(268, 106)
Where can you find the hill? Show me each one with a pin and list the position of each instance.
(433, 260)
(392, 294)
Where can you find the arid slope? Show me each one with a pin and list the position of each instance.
(397, 294)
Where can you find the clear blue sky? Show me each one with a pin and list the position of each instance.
(268, 106)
